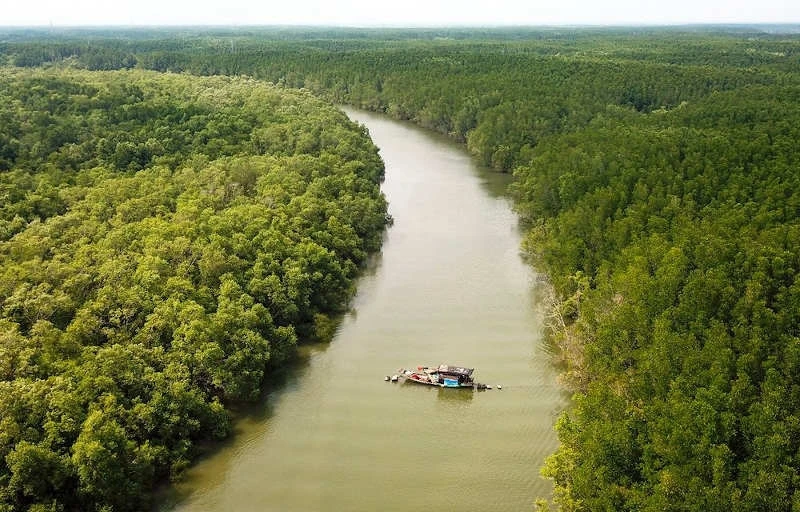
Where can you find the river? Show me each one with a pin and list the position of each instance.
(448, 287)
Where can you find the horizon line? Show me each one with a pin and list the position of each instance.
(410, 26)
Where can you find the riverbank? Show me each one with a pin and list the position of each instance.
(448, 286)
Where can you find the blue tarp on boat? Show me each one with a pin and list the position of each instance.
(450, 383)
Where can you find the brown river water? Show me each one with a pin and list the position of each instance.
(449, 286)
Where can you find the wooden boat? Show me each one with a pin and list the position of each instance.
(443, 376)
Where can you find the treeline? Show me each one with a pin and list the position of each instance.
(164, 242)
(500, 91)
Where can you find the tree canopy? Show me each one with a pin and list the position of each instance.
(164, 241)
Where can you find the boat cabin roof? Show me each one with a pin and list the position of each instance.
(455, 370)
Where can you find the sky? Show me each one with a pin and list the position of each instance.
(396, 13)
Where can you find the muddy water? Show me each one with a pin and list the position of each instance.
(449, 286)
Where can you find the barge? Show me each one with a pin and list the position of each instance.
(443, 376)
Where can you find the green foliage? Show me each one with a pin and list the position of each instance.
(156, 263)
(687, 231)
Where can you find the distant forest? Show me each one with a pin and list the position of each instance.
(656, 171)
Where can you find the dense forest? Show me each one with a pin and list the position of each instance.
(164, 241)
(656, 171)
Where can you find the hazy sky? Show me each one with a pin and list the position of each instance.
(394, 13)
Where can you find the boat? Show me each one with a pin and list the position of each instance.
(443, 376)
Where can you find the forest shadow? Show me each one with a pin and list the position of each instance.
(280, 379)
(171, 495)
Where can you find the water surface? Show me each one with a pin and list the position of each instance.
(448, 287)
